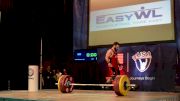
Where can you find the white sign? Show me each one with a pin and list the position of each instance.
(146, 14)
(33, 78)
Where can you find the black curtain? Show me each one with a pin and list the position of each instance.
(80, 24)
(177, 24)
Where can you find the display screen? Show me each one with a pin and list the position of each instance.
(85, 55)
(130, 21)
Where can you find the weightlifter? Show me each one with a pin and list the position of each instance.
(114, 68)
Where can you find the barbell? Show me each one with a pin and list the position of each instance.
(121, 84)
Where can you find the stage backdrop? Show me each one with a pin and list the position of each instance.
(177, 23)
(150, 66)
(80, 23)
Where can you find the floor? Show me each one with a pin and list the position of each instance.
(89, 95)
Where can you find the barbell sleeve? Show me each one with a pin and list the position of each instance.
(131, 85)
(110, 85)
(76, 84)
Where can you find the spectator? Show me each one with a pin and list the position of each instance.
(53, 79)
(47, 76)
(65, 72)
(58, 74)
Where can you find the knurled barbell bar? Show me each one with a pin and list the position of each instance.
(121, 84)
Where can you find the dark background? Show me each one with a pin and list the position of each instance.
(23, 24)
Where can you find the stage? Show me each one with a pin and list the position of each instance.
(86, 95)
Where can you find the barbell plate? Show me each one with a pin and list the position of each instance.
(59, 83)
(66, 87)
(120, 85)
(63, 85)
(116, 85)
(124, 80)
(72, 86)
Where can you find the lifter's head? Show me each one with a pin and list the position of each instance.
(116, 45)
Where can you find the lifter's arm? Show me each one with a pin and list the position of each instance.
(107, 58)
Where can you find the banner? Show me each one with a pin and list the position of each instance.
(152, 67)
(142, 66)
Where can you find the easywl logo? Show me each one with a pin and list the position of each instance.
(147, 14)
(127, 16)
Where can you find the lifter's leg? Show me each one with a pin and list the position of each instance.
(121, 70)
(112, 75)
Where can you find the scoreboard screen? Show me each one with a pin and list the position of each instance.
(85, 55)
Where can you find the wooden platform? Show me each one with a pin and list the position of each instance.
(88, 95)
